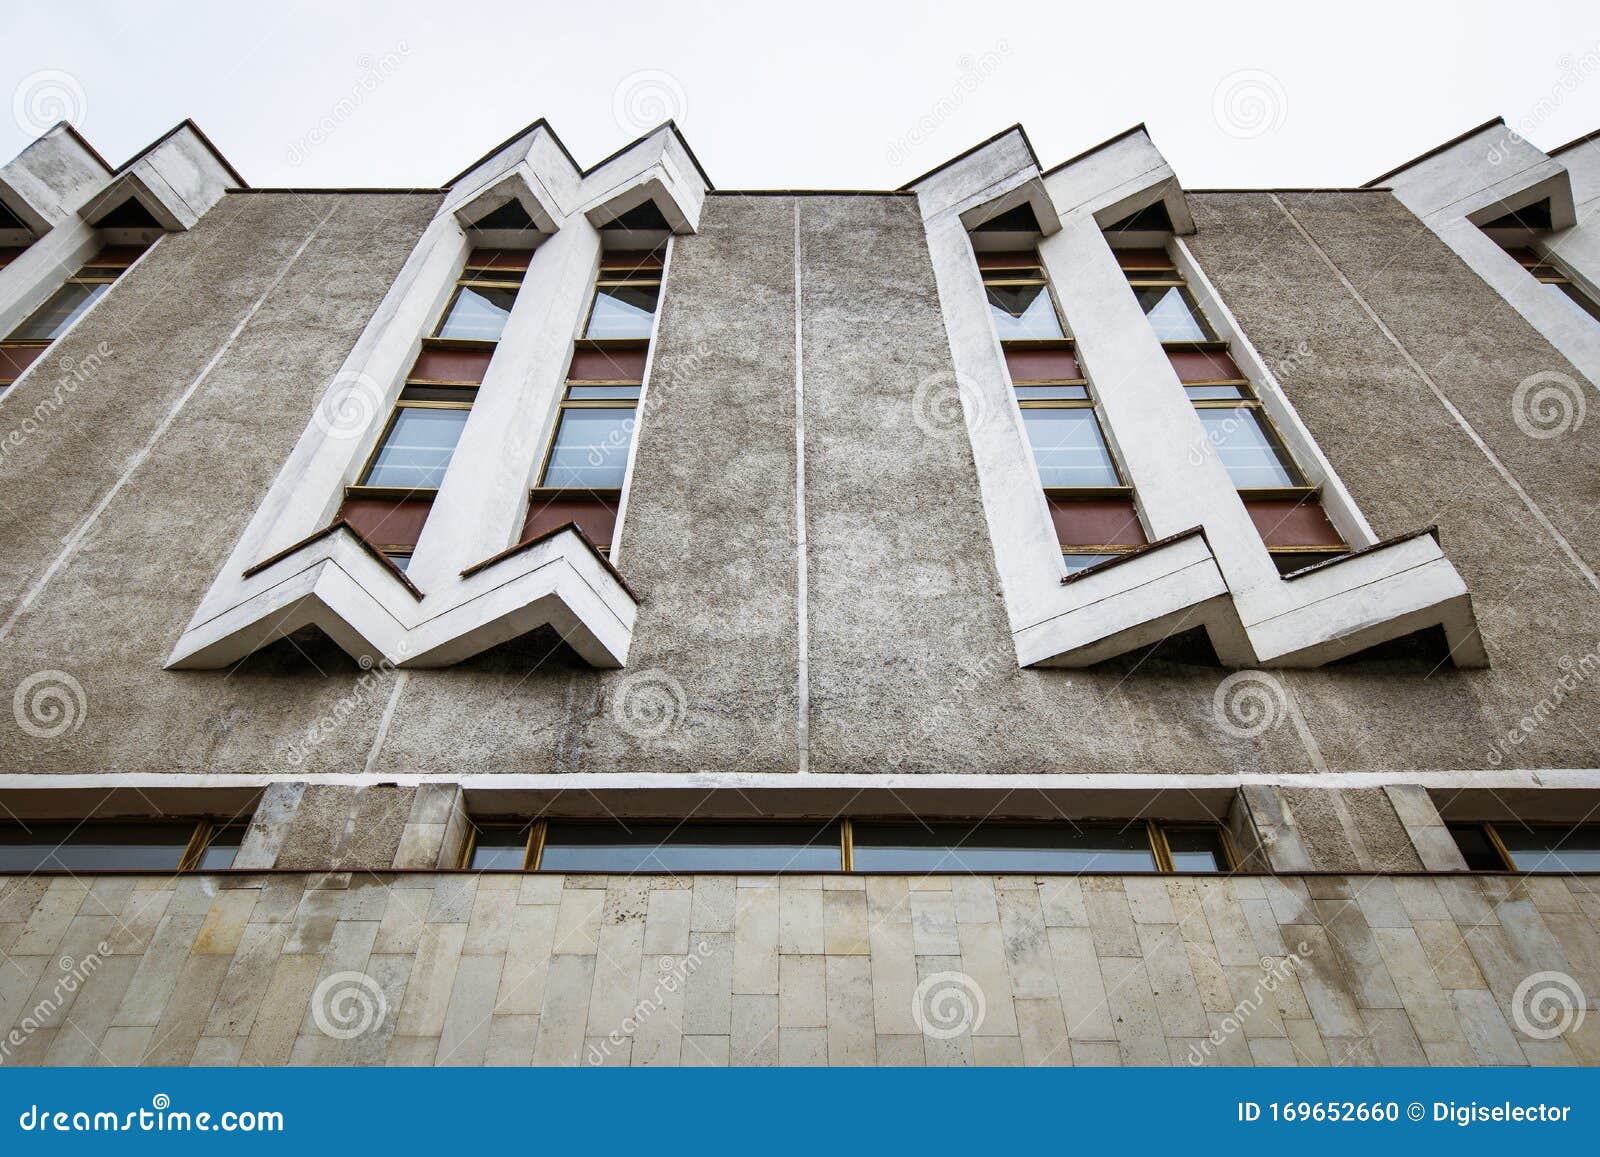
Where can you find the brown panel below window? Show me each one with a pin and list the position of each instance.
(507, 259)
(9, 253)
(444, 365)
(1014, 259)
(591, 365)
(123, 255)
(1291, 522)
(1042, 365)
(597, 517)
(1096, 522)
(387, 522)
(1143, 259)
(16, 358)
(623, 260)
(1203, 366)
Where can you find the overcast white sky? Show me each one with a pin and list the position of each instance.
(813, 94)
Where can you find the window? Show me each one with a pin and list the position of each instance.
(1518, 847)
(482, 301)
(25, 344)
(393, 495)
(1236, 425)
(845, 845)
(1556, 281)
(131, 847)
(659, 846)
(1090, 504)
(421, 438)
(1044, 847)
(586, 464)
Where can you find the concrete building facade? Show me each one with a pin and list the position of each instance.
(1064, 501)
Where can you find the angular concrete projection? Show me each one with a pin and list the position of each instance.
(1206, 565)
(337, 582)
(1490, 172)
(327, 576)
(175, 180)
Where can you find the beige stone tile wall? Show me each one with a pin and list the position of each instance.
(457, 969)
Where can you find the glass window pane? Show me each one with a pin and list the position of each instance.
(401, 559)
(1171, 314)
(500, 848)
(1289, 561)
(1552, 849)
(1055, 847)
(1077, 562)
(477, 314)
(591, 449)
(603, 393)
(219, 853)
(1023, 311)
(1069, 448)
(1214, 393)
(1476, 849)
(623, 311)
(65, 306)
(1196, 850)
(691, 847)
(1242, 443)
(418, 448)
(93, 847)
(1052, 393)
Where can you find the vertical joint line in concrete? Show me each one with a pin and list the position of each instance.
(1460, 419)
(386, 719)
(802, 633)
(71, 543)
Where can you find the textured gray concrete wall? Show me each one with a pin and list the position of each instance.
(908, 662)
(423, 969)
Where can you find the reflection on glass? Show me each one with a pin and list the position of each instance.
(1552, 849)
(221, 848)
(1077, 562)
(64, 307)
(500, 848)
(691, 847)
(1244, 447)
(1023, 312)
(622, 311)
(93, 847)
(591, 449)
(1196, 850)
(1068, 448)
(418, 448)
(1001, 848)
(477, 314)
(1171, 314)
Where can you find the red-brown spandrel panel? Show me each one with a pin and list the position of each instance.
(507, 259)
(1291, 522)
(1204, 366)
(16, 358)
(596, 516)
(627, 260)
(1096, 522)
(387, 522)
(1013, 259)
(606, 365)
(1143, 259)
(1043, 365)
(451, 365)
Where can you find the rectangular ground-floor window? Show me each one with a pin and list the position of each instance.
(119, 847)
(1519, 847)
